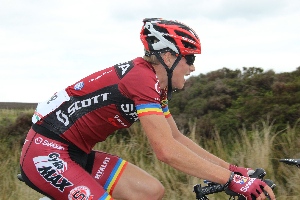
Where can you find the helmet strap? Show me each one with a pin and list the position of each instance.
(169, 71)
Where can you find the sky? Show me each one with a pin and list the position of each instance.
(47, 45)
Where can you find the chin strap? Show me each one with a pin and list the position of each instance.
(169, 72)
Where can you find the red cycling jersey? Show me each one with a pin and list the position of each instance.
(68, 125)
(88, 111)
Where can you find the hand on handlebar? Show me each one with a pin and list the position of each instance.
(258, 174)
(249, 187)
(241, 170)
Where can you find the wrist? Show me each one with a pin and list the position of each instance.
(232, 167)
(229, 180)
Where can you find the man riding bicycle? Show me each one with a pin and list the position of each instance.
(58, 159)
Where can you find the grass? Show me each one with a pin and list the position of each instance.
(261, 147)
(9, 115)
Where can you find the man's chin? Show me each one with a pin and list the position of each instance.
(179, 87)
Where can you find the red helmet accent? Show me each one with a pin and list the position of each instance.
(159, 35)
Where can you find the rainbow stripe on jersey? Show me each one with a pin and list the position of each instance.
(114, 176)
(149, 109)
(105, 196)
(166, 111)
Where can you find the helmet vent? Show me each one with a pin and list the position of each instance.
(160, 29)
(182, 34)
(188, 45)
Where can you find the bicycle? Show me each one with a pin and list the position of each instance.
(212, 187)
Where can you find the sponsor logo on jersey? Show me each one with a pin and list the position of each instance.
(94, 79)
(86, 103)
(116, 120)
(130, 111)
(102, 168)
(123, 68)
(51, 168)
(43, 142)
(157, 87)
(55, 96)
(47, 107)
(80, 193)
(77, 105)
(79, 86)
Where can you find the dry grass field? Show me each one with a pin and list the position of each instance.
(257, 148)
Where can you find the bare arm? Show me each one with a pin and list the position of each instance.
(195, 147)
(177, 155)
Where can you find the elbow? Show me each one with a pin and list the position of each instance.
(178, 136)
(164, 155)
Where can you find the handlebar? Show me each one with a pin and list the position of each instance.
(212, 187)
(290, 161)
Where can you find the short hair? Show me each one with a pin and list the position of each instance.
(151, 59)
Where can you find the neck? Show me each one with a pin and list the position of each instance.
(161, 74)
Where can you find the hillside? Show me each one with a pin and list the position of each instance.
(229, 100)
(17, 105)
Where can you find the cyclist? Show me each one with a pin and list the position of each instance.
(57, 157)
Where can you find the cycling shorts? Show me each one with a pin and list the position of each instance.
(60, 170)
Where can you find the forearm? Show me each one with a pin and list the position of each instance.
(200, 151)
(195, 147)
(174, 153)
(182, 158)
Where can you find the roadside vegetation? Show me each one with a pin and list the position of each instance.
(249, 118)
(258, 148)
